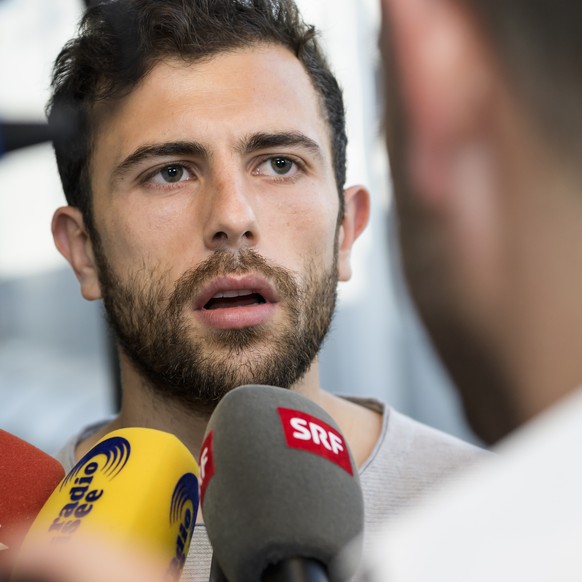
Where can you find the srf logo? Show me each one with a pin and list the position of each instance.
(308, 433)
(206, 464)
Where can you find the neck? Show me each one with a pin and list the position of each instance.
(141, 407)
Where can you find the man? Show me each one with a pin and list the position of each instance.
(204, 210)
(484, 135)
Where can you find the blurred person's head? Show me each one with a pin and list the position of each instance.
(484, 132)
(206, 189)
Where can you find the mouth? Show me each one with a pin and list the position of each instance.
(236, 291)
(232, 302)
(234, 298)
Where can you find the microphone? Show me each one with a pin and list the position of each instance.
(27, 478)
(126, 511)
(280, 491)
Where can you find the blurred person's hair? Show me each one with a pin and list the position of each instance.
(120, 41)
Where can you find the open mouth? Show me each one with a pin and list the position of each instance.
(234, 298)
(236, 302)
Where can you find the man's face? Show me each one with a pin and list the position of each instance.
(217, 209)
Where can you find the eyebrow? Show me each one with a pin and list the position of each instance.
(254, 142)
(261, 141)
(178, 148)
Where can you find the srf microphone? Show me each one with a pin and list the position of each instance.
(135, 493)
(280, 491)
(28, 476)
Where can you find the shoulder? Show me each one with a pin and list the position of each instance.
(411, 458)
(66, 455)
(412, 439)
(404, 439)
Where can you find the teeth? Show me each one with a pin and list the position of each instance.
(238, 293)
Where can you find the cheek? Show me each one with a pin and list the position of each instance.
(133, 239)
(311, 211)
(310, 221)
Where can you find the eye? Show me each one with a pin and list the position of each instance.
(278, 166)
(281, 166)
(170, 174)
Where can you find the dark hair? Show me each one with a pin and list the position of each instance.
(538, 43)
(120, 41)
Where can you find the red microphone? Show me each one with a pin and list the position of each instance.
(28, 476)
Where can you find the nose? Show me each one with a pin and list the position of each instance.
(231, 222)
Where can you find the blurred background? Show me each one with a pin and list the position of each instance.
(57, 372)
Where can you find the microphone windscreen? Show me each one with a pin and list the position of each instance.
(28, 476)
(278, 482)
(135, 491)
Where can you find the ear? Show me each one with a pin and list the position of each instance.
(445, 78)
(73, 242)
(355, 219)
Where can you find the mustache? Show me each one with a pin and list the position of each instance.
(222, 263)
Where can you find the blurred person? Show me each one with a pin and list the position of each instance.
(207, 209)
(484, 133)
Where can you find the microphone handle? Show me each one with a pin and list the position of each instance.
(296, 570)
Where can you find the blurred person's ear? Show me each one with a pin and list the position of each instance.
(453, 104)
(445, 81)
(73, 242)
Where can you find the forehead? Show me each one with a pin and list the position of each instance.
(259, 89)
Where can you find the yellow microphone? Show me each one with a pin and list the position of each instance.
(125, 511)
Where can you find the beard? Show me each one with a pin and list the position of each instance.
(195, 371)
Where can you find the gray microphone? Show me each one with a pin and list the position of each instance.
(280, 491)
